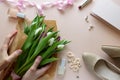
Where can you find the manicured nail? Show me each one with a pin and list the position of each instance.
(19, 51)
(39, 57)
(15, 31)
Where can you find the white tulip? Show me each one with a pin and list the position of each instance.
(61, 46)
(49, 33)
(39, 29)
(51, 41)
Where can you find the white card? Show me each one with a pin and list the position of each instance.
(108, 11)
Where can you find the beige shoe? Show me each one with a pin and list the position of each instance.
(112, 51)
(101, 67)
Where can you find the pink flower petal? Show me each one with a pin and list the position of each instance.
(70, 2)
(31, 3)
(39, 8)
(12, 2)
(22, 4)
(47, 5)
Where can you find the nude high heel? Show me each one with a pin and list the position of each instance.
(112, 51)
(104, 69)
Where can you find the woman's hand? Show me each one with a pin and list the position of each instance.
(33, 73)
(5, 59)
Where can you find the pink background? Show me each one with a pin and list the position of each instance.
(72, 27)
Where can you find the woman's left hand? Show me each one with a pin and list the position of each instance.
(5, 59)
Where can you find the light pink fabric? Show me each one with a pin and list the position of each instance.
(23, 4)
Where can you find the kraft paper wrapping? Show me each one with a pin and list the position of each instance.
(19, 41)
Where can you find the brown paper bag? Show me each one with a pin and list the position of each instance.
(19, 41)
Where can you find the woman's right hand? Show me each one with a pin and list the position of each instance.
(33, 73)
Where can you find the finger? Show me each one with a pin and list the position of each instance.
(14, 55)
(10, 59)
(15, 76)
(3, 65)
(36, 63)
(43, 70)
(8, 39)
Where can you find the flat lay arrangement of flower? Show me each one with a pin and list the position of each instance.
(40, 41)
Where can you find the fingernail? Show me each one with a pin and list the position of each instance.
(16, 30)
(19, 51)
(39, 57)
